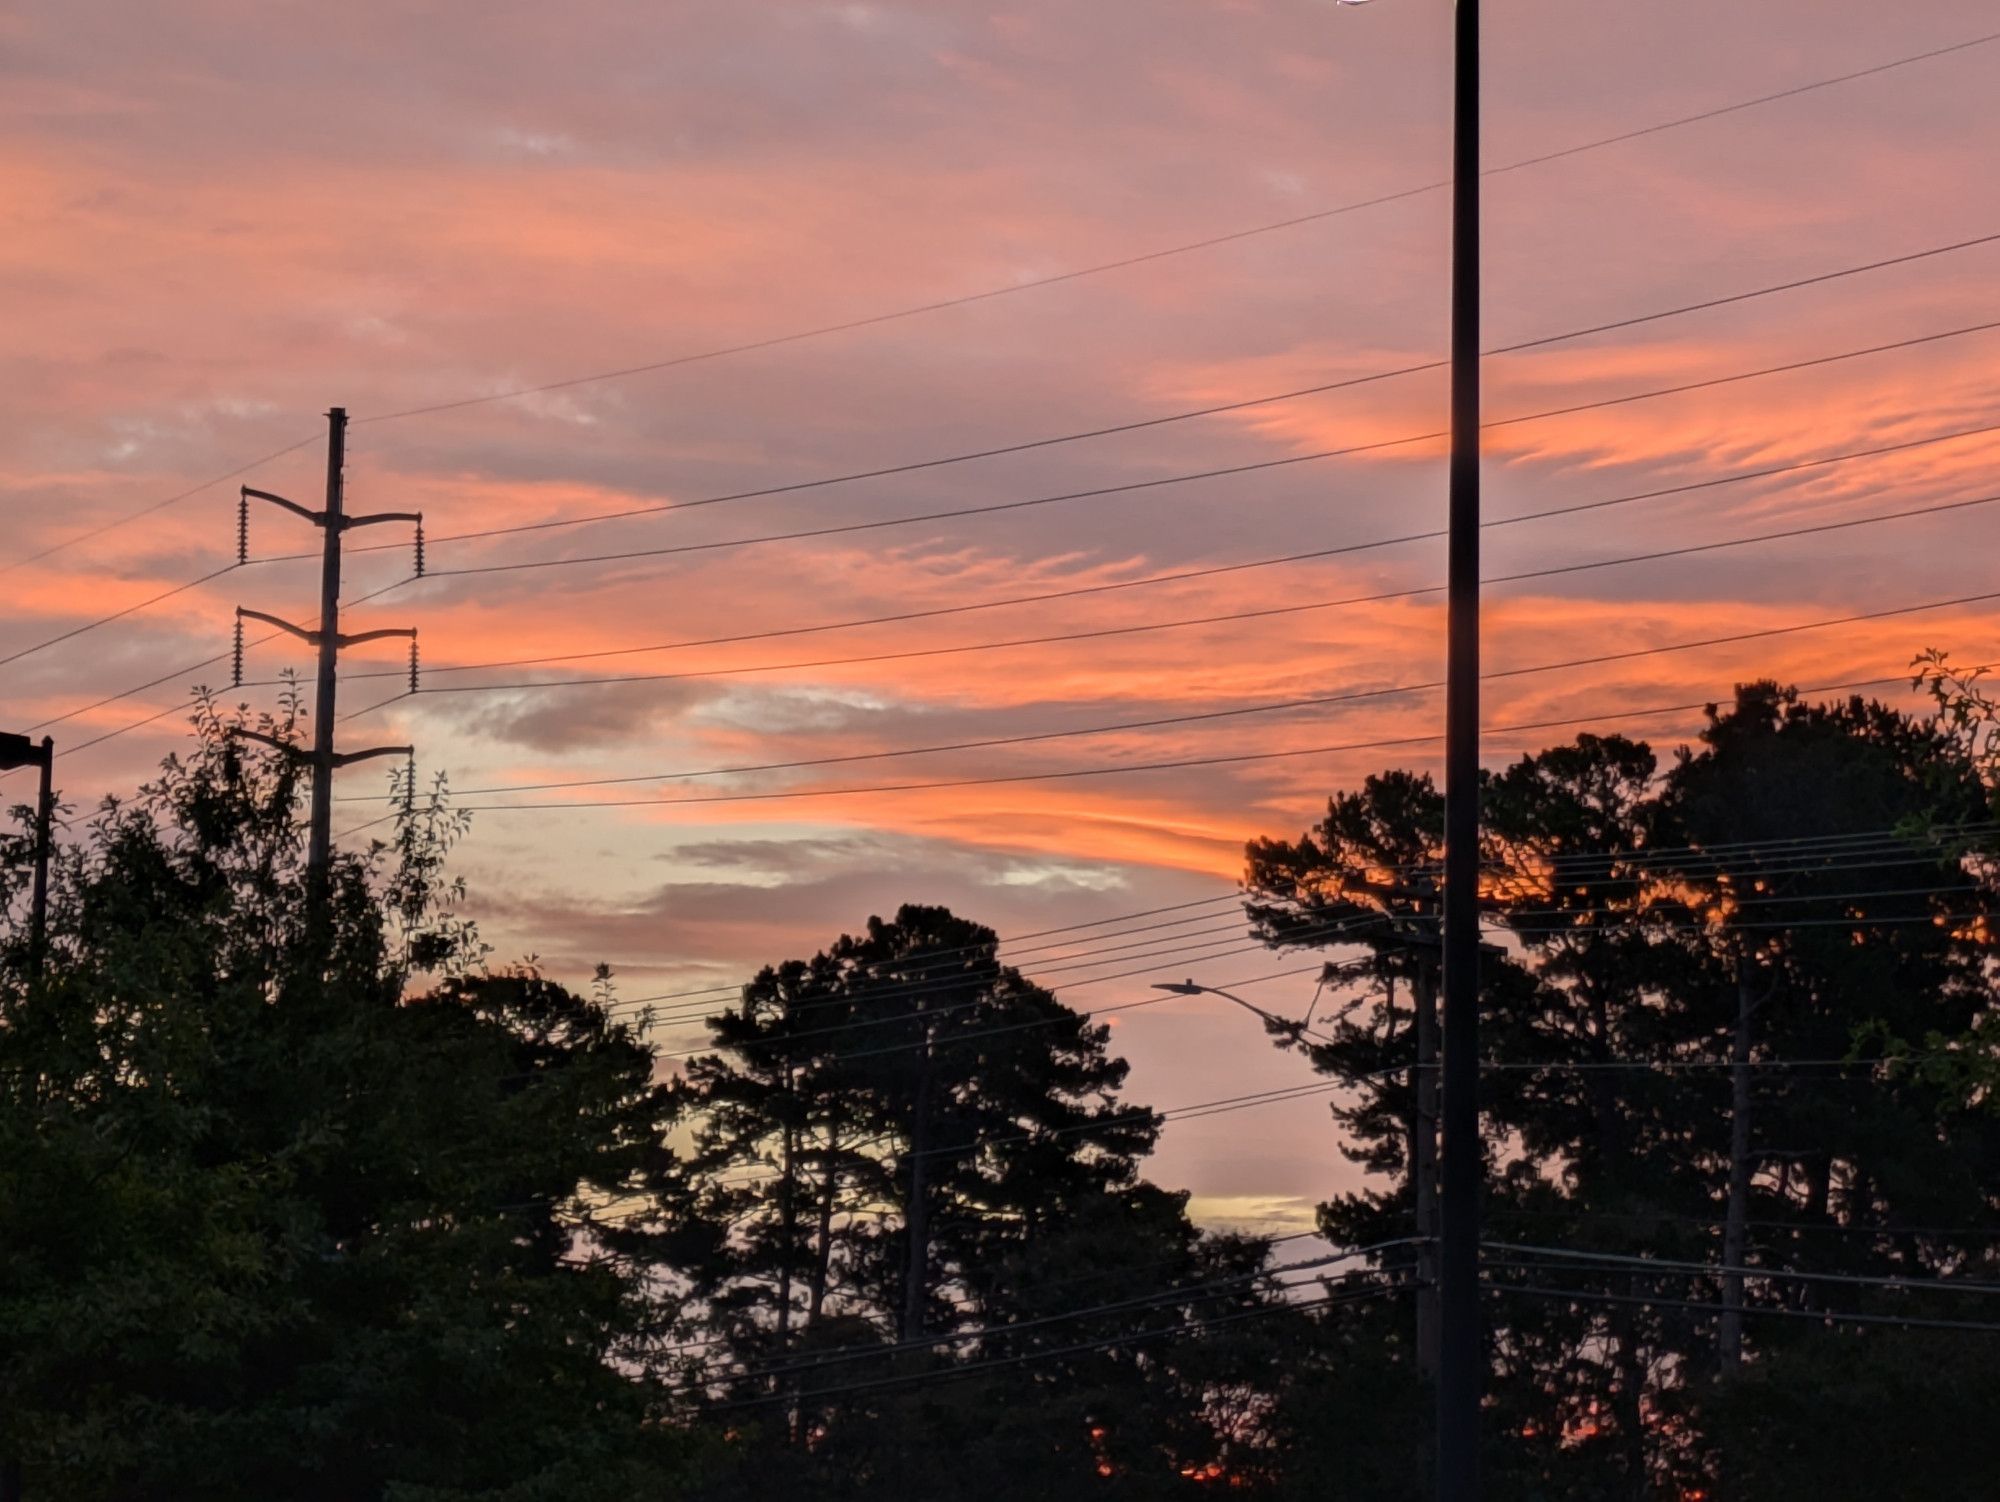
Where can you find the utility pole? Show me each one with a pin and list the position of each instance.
(19, 751)
(1462, 1352)
(334, 523)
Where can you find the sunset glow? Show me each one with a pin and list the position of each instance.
(202, 263)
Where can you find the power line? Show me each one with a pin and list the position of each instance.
(1662, 1264)
(1509, 915)
(967, 1369)
(1094, 270)
(1853, 921)
(708, 1342)
(1354, 928)
(1317, 701)
(1207, 572)
(173, 500)
(1207, 243)
(1199, 952)
(1792, 847)
(1111, 954)
(939, 959)
(785, 1041)
(116, 615)
(1066, 774)
(1284, 1094)
(817, 1360)
(1647, 1217)
(1687, 860)
(1142, 628)
(1824, 1316)
(1376, 446)
(1176, 577)
(1893, 854)
(1216, 409)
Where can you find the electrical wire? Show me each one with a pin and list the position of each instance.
(1788, 847)
(1317, 701)
(1016, 287)
(1720, 1270)
(1241, 928)
(1042, 597)
(786, 1042)
(116, 615)
(1207, 243)
(1256, 466)
(1648, 1217)
(1207, 572)
(708, 1342)
(1824, 1316)
(1143, 628)
(144, 511)
(1177, 764)
(727, 997)
(973, 1368)
(1142, 424)
(816, 1360)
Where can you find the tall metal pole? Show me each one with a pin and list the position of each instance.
(333, 522)
(1462, 1348)
(45, 821)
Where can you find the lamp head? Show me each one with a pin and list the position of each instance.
(1179, 988)
(18, 751)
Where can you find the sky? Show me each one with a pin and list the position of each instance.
(220, 218)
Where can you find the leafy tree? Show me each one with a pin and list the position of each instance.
(1860, 1415)
(1671, 944)
(275, 1226)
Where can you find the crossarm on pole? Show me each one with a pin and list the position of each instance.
(348, 758)
(361, 636)
(316, 518)
(243, 732)
(283, 625)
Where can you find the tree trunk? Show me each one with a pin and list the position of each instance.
(1736, 1221)
(1819, 1199)
(822, 1268)
(788, 1214)
(916, 1215)
(1424, 1167)
(1631, 1406)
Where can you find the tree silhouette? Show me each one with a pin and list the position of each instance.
(278, 1227)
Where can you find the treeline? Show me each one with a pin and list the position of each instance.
(301, 1197)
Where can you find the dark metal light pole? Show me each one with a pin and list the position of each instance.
(19, 751)
(1462, 1352)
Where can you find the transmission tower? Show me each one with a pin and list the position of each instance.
(334, 524)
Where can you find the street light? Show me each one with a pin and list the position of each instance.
(18, 751)
(1195, 988)
(1462, 1354)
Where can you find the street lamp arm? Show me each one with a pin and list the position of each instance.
(1194, 988)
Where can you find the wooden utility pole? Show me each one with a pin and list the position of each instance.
(1462, 1352)
(334, 523)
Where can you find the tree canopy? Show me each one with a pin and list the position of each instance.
(304, 1196)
